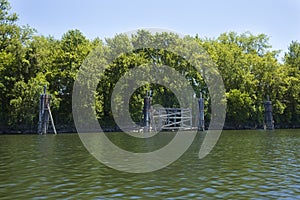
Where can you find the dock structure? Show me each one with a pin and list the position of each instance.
(269, 122)
(158, 119)
(171, 119)
(201, 125)
(45, 114)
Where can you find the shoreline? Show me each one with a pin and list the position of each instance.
(67, 130)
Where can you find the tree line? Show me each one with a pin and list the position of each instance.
(250, 70)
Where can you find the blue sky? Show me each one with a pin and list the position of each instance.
(279, 19)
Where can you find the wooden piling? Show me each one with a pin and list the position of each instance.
(146, 112)
(45, 113)
(269, 122)
(201, 125)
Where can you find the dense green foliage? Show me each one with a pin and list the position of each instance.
(249, 67)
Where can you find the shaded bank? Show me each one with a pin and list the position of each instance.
(72, 129)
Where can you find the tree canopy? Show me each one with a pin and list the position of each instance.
(250, 70)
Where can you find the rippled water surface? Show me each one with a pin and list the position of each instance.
(243, 165)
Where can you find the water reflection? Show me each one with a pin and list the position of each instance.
(243, 164)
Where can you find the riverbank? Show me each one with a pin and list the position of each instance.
(72, 129)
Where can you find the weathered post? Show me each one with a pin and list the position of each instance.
(201, 125)
(41, 113)
(146, 112)
(269, 123)
(45, 113)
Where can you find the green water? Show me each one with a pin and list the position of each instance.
(243, 165)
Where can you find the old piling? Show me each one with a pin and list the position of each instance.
(201, 125)
(45, 114)
(269, 122)
(146, 111)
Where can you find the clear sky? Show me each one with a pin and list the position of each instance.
(279, 19)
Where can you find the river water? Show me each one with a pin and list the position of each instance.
(243, 165)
